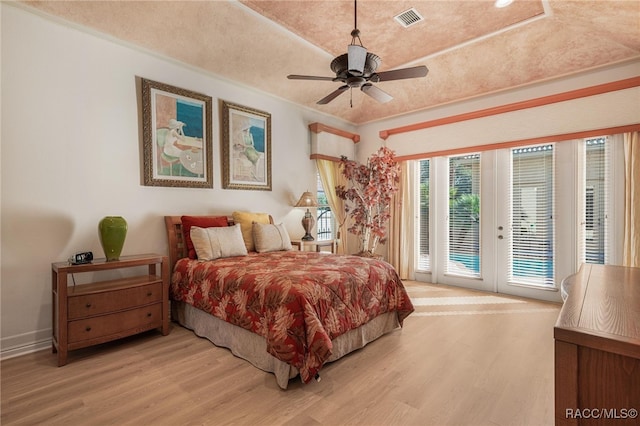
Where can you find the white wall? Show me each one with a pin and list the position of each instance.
(71, 154)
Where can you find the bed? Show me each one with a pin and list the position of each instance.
(287, 312)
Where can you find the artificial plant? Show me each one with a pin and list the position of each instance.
(368, 196)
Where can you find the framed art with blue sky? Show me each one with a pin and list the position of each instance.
(246, 148)
(176, 135)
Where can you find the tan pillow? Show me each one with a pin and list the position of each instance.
(214, 243)
(246, 219)
(270, 237)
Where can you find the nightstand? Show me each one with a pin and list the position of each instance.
(301, 244)
(98, 312)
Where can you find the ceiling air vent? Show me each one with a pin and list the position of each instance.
(409, 18)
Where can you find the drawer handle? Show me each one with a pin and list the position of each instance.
(88, 328)
(88, 305)
(148, 314)
(149, 294)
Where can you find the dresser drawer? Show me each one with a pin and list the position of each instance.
(120, 323)
(87, 305)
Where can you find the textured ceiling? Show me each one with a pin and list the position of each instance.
(470, 47)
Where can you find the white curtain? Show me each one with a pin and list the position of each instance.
(401, 236)
(331, 176)
(631, 253)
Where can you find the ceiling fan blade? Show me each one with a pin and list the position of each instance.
(377, 94)
(414, 72)
(331, 96)
(309, 77)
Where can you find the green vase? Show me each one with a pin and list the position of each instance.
(113, 231)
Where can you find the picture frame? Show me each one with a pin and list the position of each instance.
(177, 136)
(246, 148)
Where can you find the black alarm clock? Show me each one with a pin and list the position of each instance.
(81, 258)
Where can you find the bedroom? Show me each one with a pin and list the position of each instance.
(71, 152)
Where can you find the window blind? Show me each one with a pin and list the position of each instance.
(532, 237)
(464, 216)
(424, 259)
(325, 220)
(594, 224)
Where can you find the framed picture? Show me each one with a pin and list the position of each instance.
(176, 135)
(246, 148)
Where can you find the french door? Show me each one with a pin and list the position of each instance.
(529, 232)
(501, 230)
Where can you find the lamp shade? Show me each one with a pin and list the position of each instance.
(357, 56)
(307, 200)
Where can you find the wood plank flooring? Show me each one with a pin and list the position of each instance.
(463, 358)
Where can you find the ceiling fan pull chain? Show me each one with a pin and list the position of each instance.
(351, 97)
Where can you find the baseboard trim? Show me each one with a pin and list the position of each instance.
(26, 349)
(26, 343)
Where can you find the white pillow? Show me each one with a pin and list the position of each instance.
(214, 243)
(270, 237)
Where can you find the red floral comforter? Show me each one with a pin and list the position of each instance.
(298, 301)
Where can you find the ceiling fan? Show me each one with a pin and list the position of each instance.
(357, 69)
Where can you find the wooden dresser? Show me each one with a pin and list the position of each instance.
(597, 348)
(89, 314)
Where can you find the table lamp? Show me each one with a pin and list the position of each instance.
(307, 200)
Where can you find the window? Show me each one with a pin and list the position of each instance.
(532, 216)
(518, 219)
(325, 220)
(464, 216)
(594, 224)
(424, 260)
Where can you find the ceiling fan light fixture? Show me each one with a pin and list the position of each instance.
(357, 56)
(357, 69)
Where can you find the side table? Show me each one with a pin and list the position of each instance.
(302, 244)
(90, 314)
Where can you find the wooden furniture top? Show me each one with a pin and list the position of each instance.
(602, 310)
(103, 264)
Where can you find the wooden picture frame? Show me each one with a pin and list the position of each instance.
(176, 136)
(246, 148)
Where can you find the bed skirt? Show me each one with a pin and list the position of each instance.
(253, 348)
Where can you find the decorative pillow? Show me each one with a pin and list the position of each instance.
(201, 222)
(270, 237)
(214, 243)
(246, 219)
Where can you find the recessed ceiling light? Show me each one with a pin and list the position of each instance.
(502, 3)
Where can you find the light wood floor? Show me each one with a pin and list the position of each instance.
(463, 358)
